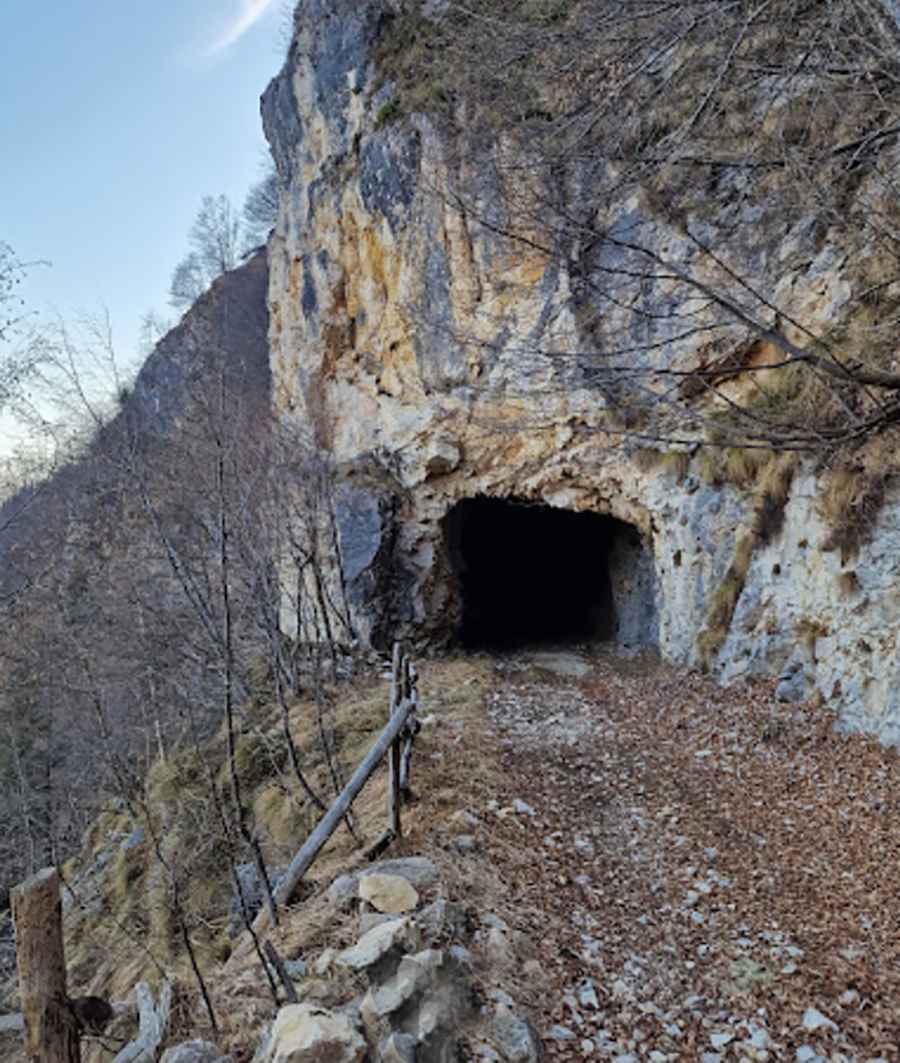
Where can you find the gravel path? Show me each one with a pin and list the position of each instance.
(717, 874)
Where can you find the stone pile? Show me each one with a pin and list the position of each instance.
(416, 986)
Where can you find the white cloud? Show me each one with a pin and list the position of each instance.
(251, 11)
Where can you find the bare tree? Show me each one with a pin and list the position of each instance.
(143, 647)
(215, 241)
(260, 211)
(189, 281)
(12, 272)
(20, 353)
(153, 327)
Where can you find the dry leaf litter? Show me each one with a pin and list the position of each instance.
(707, 874)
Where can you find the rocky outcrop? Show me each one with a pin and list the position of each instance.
(226, 326)
(398, 337)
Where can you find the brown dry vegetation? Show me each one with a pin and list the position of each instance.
(666, 775)
(766, 478)
(124, 929)
(854, 491)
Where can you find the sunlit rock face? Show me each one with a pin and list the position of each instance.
(406, 341)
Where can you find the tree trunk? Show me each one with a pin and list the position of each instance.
(51, 1030)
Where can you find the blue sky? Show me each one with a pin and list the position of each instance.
(116, 118)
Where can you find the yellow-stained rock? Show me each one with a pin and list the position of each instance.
(388, 893)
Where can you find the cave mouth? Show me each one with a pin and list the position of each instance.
(530, 574)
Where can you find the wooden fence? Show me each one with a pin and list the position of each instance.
(51, 1023)
(395, 742)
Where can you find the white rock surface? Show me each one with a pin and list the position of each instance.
(374, 945)
(304, 1033)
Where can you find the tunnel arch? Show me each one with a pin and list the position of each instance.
(527, 573)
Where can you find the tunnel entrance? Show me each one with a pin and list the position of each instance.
(531, 574)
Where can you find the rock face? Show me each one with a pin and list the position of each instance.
(230, 322)
(396, 339)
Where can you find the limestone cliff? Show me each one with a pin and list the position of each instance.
(404, 335)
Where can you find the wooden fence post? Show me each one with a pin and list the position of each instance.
(412, 729)
(51, 1029)
(398, 694)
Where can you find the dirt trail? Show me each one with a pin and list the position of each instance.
(717, 874)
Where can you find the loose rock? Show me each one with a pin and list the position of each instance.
(396, 936)
(442, 917)
(515, 1037)
(388, 893)
(192, 1052)
(304, 1033)
(398, 1048)
(418, 871)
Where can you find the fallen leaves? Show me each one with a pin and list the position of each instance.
(724, 869)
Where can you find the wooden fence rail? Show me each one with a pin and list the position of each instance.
(396, 741)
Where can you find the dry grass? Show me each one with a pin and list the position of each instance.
(773, 475)
(677, 463)
(848, 582)
(739, 466)
(724, 601)
(408, 58)
(853, 493)
(808, 631)
(647, 458)
(773, 490)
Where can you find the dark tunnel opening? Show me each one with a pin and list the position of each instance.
(530, 574)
